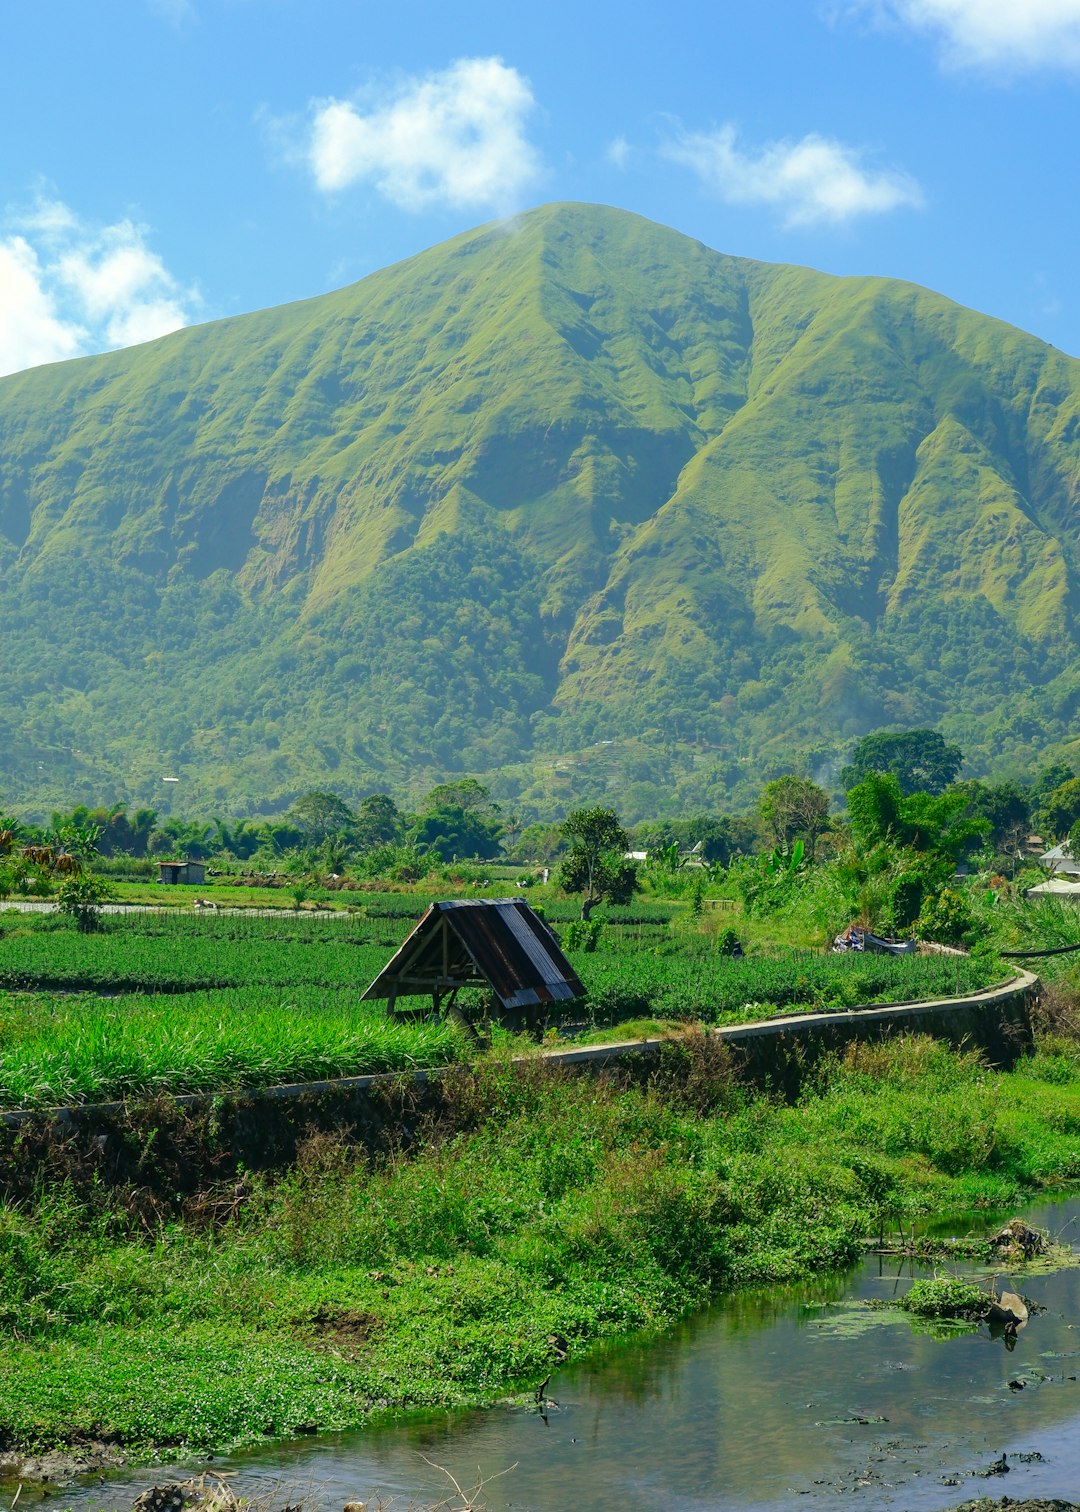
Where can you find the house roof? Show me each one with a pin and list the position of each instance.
(501, 943)
(1060, 858)
(1056, 887)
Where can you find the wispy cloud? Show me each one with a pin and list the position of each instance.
(68, 287)
(454, 138)
(176, 12)
(1003, 35)
(812, 181)
(618, 152)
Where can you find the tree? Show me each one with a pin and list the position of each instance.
(456, 833)
(794, 808)
(184, 837)
(1049, 778)
(721, 838)
(1061, 809)
(596, 865)
(933, 824)
(539, 842)
(465, 793)
(378, 822)
(921, 760)
(874, 806)
(1005, 806)
(80, 896)
(318, 815)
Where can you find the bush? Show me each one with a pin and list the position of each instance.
(80, 896)
(946, 1297)
(906, 900)
(582, 934)
(946, 918)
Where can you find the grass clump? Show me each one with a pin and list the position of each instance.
(83, 1049)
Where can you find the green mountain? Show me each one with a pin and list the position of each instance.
(569, 479)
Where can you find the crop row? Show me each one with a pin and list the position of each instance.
(85, 1049)
(118, 961)
(717, 989)
(149, 954)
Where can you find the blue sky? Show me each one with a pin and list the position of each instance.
(167, 161)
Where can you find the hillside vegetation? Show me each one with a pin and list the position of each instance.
(569, 479)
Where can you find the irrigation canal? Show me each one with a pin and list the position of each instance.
(796, 1397)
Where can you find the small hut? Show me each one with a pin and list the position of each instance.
(502, 945)
(182, 873)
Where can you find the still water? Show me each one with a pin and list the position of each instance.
(751, 1406)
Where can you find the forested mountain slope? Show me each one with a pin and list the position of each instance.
(566, 479)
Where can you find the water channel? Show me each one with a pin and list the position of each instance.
(753, 1405)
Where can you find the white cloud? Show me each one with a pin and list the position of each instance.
(810, 181)
(1007, 35)
(67, 287)
(619, 152)
(31, 330)
(455, 138)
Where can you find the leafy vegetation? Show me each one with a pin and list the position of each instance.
(80, 1049)
(946, 1297)
(595, 864)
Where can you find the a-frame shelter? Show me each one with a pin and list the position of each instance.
(500, 944)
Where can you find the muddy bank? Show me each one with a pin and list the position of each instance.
(1006, 1504)
(60, 1466)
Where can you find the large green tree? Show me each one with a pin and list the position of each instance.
(457, 834)
(1006, 807)
(596, 864)
(464, 793)
(934, 824)
(378, 822)
(921, 760)
(320, 815)
(793, 808)
(1061, 809)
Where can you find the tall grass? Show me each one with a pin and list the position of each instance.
(532, 1205)
(83, 1049)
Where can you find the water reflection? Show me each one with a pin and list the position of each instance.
(794, 1396)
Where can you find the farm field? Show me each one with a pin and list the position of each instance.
(196, 1002)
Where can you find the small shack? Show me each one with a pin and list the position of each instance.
(502, 945)
(185, 873)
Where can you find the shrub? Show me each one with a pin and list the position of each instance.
(946, 918)
(946, 1297)
(80, 896)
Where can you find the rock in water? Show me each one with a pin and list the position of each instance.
(1008, 1308)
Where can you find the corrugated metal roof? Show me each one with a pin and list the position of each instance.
(503, 943)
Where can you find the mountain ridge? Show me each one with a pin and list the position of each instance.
(690, 488)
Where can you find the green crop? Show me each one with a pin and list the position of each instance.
(719, 989)
(86, 1049)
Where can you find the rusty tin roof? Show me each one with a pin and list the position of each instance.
(502, 942)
